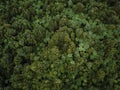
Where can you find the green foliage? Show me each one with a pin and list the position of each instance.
(59, 45)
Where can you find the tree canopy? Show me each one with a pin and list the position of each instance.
(59, 45)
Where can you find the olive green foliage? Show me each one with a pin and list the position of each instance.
(59, 45)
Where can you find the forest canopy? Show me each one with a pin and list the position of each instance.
(59, 45)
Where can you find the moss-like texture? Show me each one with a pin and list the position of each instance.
(59, 45)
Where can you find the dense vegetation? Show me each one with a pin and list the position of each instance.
(59, 45)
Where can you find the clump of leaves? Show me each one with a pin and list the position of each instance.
(59, 45)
